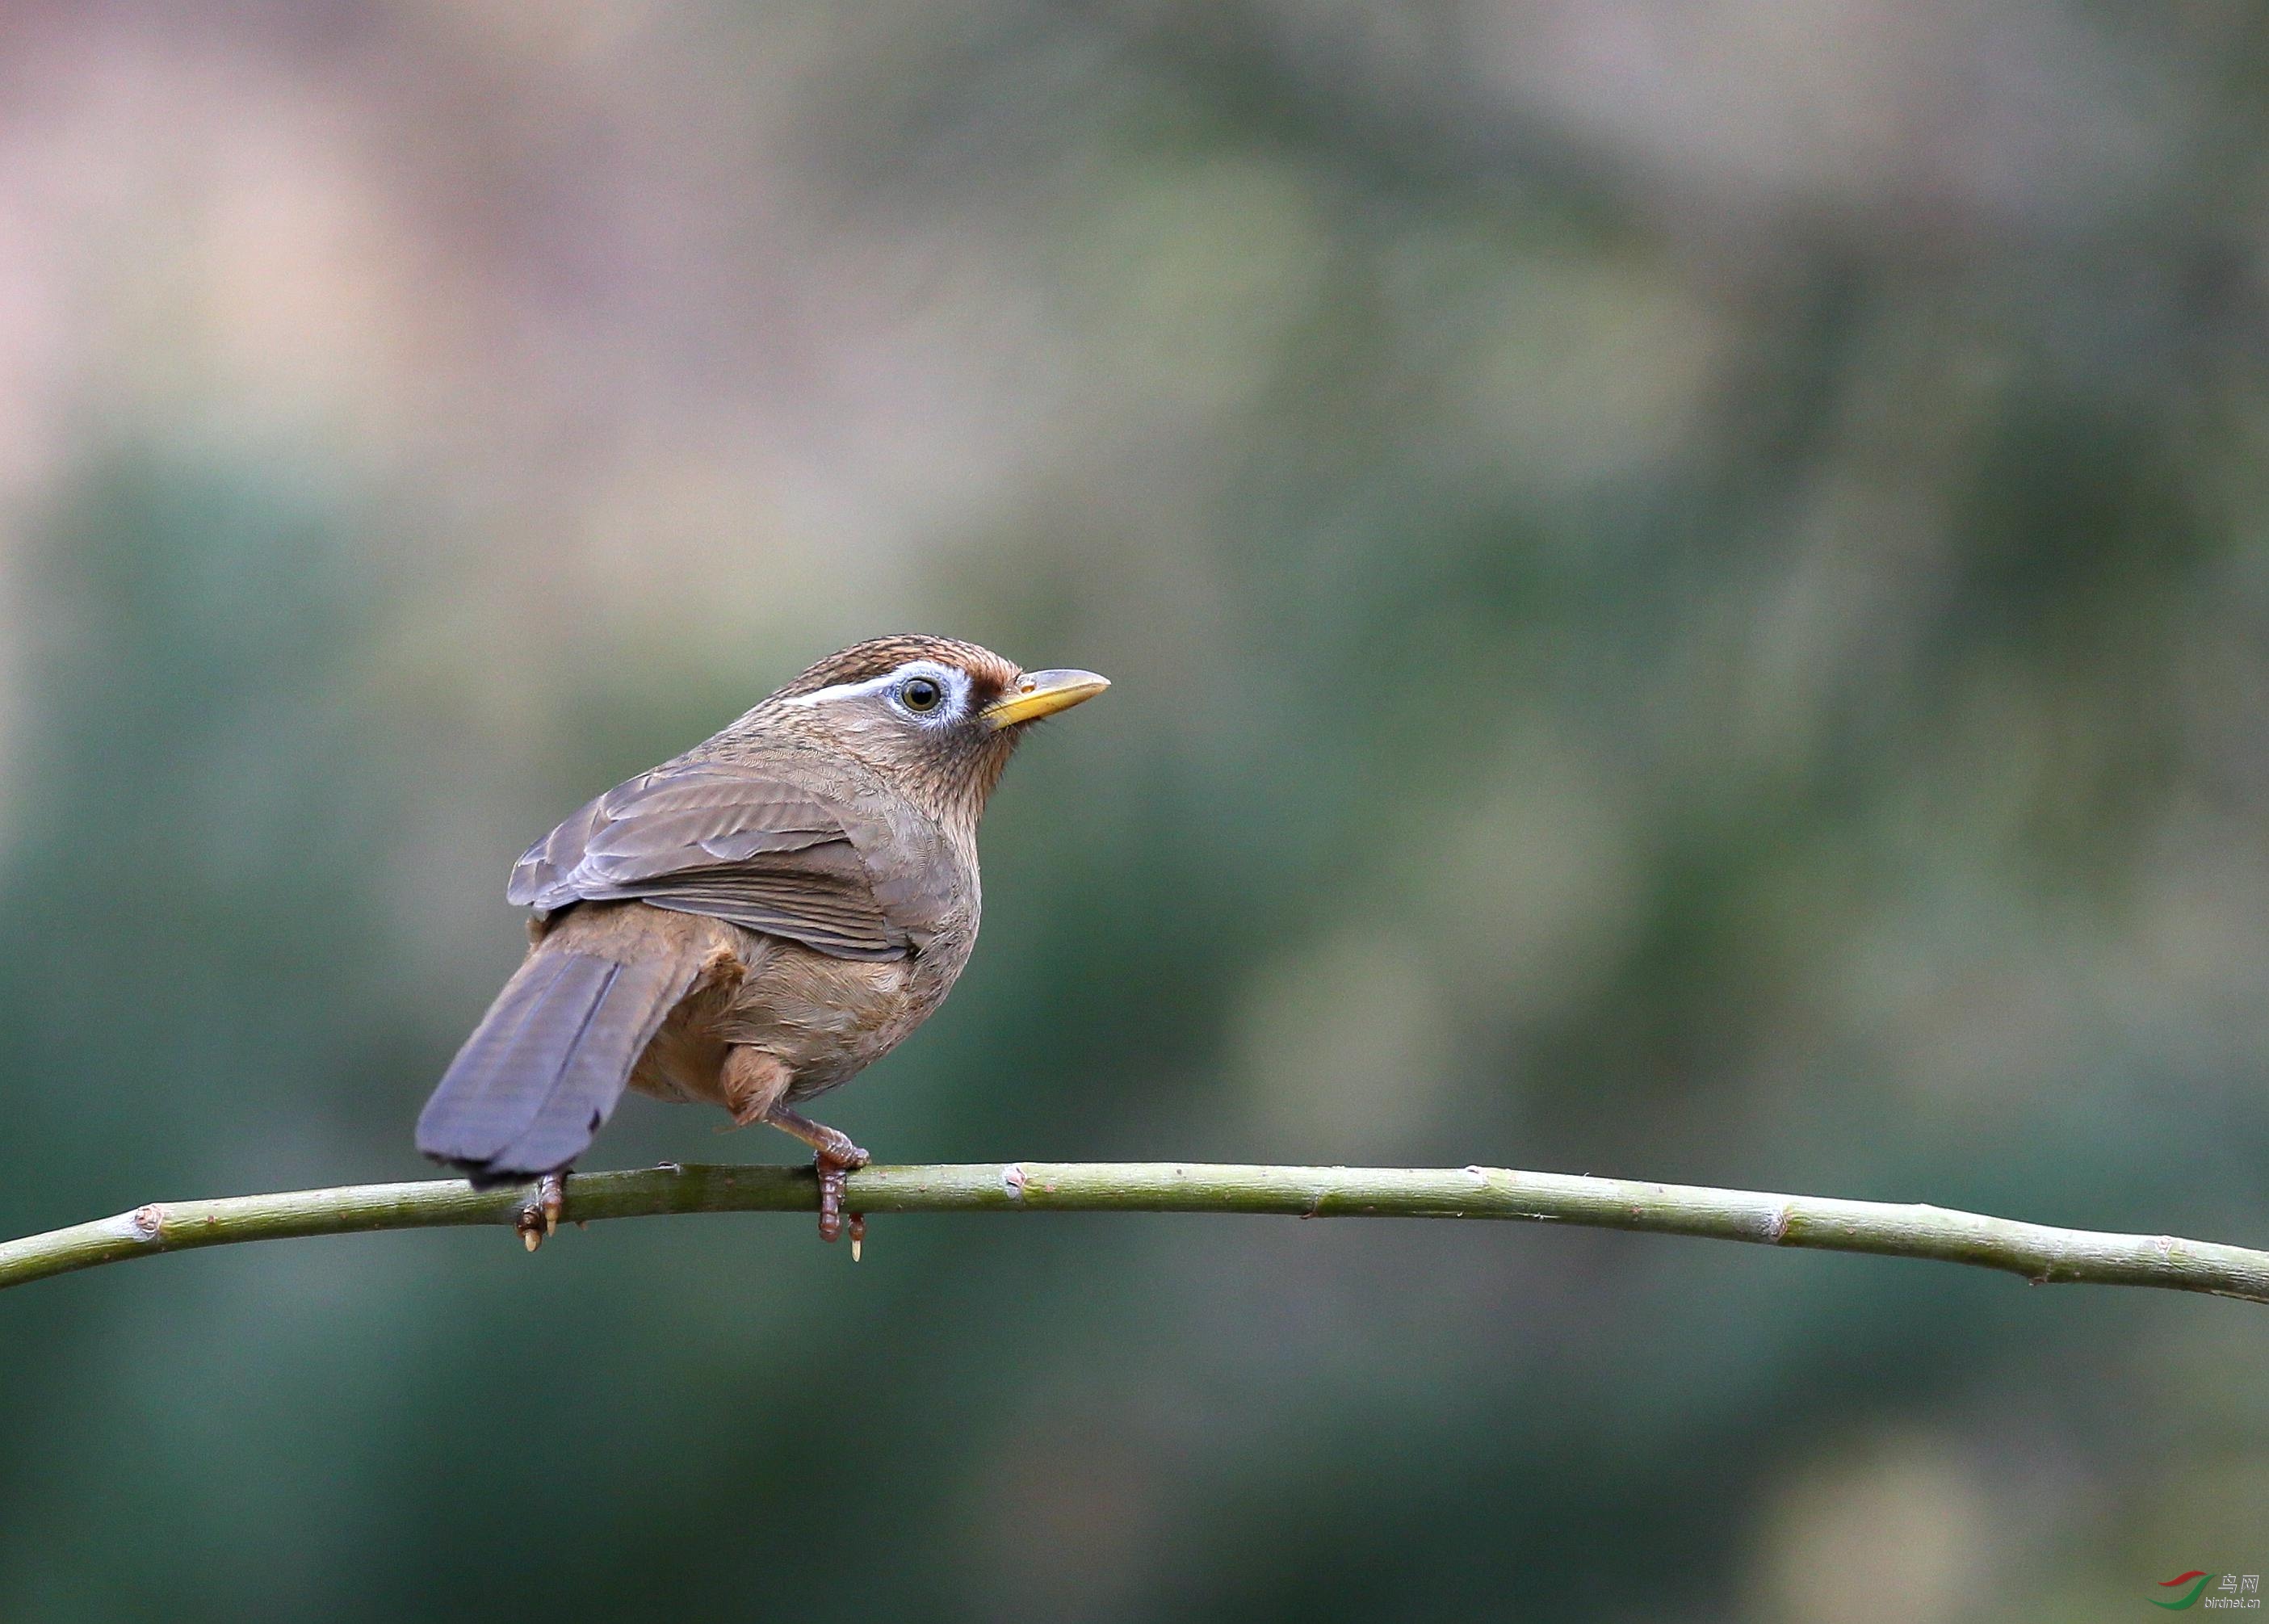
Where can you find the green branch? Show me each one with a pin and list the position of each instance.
(2040, 1253)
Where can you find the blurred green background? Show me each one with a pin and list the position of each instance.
(1689, 590)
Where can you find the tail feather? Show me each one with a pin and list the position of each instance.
(546, 1066)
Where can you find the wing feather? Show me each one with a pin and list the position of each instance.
(734, 843)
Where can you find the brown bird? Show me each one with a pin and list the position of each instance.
(751, 924)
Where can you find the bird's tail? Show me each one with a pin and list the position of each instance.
(543, 1070)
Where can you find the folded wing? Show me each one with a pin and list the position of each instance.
(730, 842)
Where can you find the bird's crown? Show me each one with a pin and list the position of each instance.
(990, 674)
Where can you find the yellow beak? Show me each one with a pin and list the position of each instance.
(1042, 693)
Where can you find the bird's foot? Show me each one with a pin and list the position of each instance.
(832, 1155)
(540, 1215)
(832, 1161)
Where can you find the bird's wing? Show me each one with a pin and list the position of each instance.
(733, 842)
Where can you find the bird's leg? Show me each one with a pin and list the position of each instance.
(832, 1155)
(539, 1214)
(756, 1084)
(754, 1081)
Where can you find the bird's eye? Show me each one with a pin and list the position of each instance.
(922, 694)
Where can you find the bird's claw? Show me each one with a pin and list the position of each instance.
(831, 1163)
(539, 1215)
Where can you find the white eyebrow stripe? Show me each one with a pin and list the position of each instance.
(847, 691)
(955, 683)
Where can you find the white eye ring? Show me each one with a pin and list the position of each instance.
(950, 686)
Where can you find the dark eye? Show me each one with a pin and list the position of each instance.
(922, 694)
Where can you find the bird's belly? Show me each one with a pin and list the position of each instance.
(829, 1018)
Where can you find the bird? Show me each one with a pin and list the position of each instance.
(752, 923)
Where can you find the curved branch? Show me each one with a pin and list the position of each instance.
(2042, 1254)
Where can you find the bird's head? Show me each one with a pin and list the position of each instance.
(938, 716)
